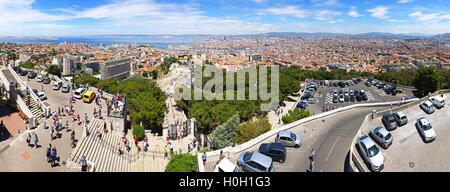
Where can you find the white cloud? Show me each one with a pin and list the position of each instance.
(424, 17)
(288, 10)
(379, 12)
(353, 12)
(405, 1)
(326, 15)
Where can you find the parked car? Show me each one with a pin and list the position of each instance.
(23, 72)
(225, 165)
(346, 98)
(394, 92)
(39, 78)
(46, 80)
(79, 93)
(437, 101)
(341, 98)
(381, 136)
(302, 105)
(255, 162)
(425, 129)
(400, 118)
(389, 121)
(65, 88)
(335, 99)
(371, 153)
(427, 106)
(57, 85)
(368, 84)
(358, 97)
(276, 151)
(363, 95)
(32, 75)
(288, 138)
(352, 98)
(41, 96)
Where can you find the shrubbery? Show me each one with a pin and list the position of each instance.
(250, 130)
(139, 131)
(294, 115)
(185, 162)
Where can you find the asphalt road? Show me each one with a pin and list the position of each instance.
(331, 146)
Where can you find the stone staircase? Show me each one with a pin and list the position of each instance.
(154, 158)
(34, 107)
(102, 152)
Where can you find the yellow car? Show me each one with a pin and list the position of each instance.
(88, 96)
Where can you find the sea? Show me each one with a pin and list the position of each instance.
(157, 42)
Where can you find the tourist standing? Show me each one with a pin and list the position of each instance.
(28, 139)
(36, 140)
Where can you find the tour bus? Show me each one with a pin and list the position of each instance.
(79, 93)
(88, 96)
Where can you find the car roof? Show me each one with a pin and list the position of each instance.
(437, 98)
(400, 113)
(424, 121)
(261, 159)
(226, 165)
(382, 130)
(366, 141)
(428, 103)
(277, 146)
(284, 133)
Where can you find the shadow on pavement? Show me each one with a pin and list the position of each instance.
(347, 167)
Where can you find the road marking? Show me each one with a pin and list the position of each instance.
(332, 148)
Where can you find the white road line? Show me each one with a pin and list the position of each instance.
(332, 148)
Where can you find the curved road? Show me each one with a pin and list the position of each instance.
(330, 139)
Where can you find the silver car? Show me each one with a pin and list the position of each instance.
(255, 162)
(381, 136)
(400, 117)
(288, 138)
(427, 106)
(371, 153)
(426, 129)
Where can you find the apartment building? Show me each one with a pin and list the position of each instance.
(118, 69)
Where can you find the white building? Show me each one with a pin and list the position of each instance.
(69, 63)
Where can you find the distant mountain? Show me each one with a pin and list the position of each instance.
(443, 36)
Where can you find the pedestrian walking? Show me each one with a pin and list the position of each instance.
(36, 140)
(135, 140)
(221, 155)
(49, 151)
(45, 123)
(204, 158)
(313, 152)
(165, 151)
(118, 148)
(51, 133)
(28, 139)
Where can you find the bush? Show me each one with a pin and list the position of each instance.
(295, 115)
(182, 163)
(250, 130)
(27, 65)
(139, 132)
(223, 135)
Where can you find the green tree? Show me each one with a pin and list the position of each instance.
(55, 70)
(182, 163)
(108, 85)
(427, 80)
(139, 131)
(27, 65)
(145, 74)
(86, 79)
(250, 130)
(223, 135)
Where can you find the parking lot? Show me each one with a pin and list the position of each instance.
(324, 96)
(408, 151)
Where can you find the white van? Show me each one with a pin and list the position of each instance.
(79, 93)
(437, 101)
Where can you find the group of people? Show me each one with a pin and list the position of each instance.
(51, 154)
(35, 139)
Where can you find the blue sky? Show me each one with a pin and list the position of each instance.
(224, 17)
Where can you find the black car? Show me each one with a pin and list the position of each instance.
(346, 98)
(276, 151)
(394, 92)
(32, 75)
(335, 84)
(358, 97)
(389, 121)
(352, 98)
(15, 68)
(341, 92)
(368, 84)
(341, 84)
(23, 72)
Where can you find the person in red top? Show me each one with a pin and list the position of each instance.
(78, 117)
(146, 139)
(135, 140)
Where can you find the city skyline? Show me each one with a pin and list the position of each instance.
(224, 17)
